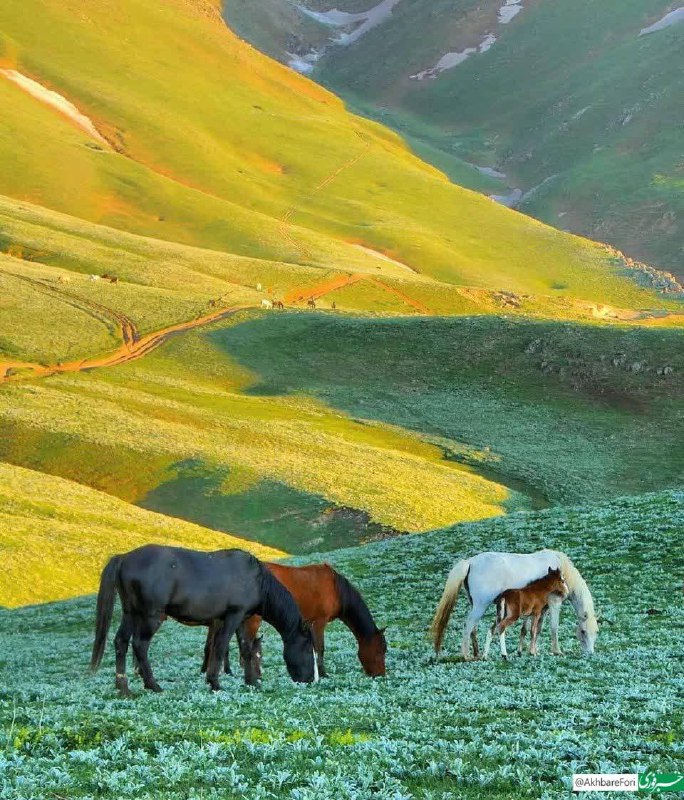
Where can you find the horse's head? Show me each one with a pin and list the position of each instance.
(250, 655)
(587, 631)
(298, 653)
(557, 583)
(372, 654)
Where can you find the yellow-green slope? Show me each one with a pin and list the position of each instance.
(216, 145)
(56, 536)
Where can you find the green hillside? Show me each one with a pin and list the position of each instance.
(495, 729)
(578, 109)
(57, 535)
(240, 154)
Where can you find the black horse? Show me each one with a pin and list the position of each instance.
(215, 589)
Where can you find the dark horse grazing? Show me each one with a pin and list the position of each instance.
(322, 595)
(216, 589)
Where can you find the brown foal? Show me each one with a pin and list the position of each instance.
(530, 601)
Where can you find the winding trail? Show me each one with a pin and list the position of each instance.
(135, 346)
(130, 350)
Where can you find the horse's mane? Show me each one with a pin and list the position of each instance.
(354, 611)
(579, 596)
(278, 607)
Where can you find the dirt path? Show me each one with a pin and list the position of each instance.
(398, 293)
(339, 282)
(127, 328)
(135, 346)
(130, 350)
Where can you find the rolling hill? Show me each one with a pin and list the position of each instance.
(144, 220)
(241, 155)
(575, 105)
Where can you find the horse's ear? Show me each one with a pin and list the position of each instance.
(550, 571)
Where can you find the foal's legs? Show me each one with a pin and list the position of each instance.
(223, 632)
(121, 640)
(143, 631)
(536, 624)
(523, 633)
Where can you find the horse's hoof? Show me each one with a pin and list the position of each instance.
(154, 687)
(121, 686)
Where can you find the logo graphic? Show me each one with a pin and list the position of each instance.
(656, 782)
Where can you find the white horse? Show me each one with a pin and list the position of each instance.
(487, 575)
(267, 303)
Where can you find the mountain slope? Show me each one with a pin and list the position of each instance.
(48, 556)
(570, 100)
(239, 154)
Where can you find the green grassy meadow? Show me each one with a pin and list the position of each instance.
(427, 730)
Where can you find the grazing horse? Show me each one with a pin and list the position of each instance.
(266, 303)
(532, 600)
(196, 588)
(487, 575)
(278, 304)
(311, 303)
(323, 595)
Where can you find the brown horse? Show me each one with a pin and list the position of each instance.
(532, 600)
(311, 303)
(322, 595)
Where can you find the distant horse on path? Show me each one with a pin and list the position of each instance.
(532, 600)
(216, 589)
(323, 595)
(487, 575)
(311, 303)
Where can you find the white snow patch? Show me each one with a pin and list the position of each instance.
(669, 19)
(360, 23)
(509, 200)
(509, 10)
(447, 61)
(56, 101)
(486, 43)
(450, 60)
(303, 64)
(491, 172)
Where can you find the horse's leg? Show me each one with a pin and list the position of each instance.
(535, 632)
(318, 631)
(223, 633)
(488, 640)
(207, 648)
(121, 640)
(475, 643)
(554, 617)
(501, 626)
(144, 630)
(470, 625)
(523, 633)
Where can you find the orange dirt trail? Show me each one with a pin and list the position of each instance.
(128, 351)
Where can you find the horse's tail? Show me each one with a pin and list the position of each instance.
(105, 608)
(446, 605)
